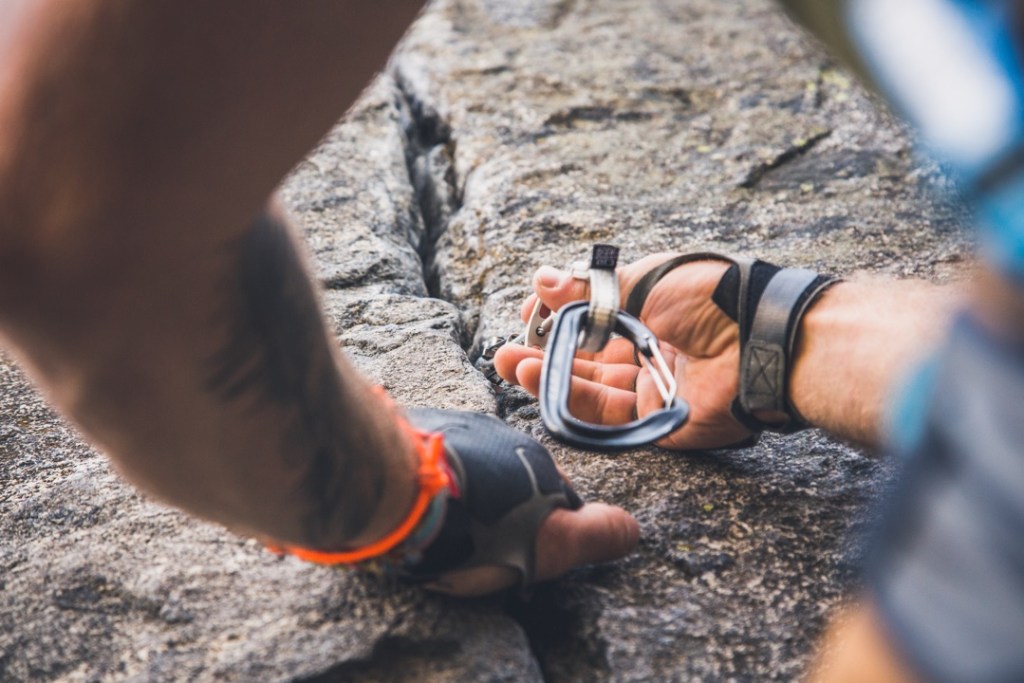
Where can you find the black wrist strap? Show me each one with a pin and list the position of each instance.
(767, 352)
(768, 303)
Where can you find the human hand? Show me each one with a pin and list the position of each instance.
(699, 341)
(515, 518)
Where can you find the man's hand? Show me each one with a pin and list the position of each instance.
(854, 344)
(513, 517)
(568, 538)
(700, 344)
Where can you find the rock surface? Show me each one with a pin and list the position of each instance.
(507, 135)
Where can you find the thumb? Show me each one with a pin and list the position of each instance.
(556, 288)
(594, 533)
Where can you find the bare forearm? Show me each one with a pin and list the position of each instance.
(139, 141)
(858, 342)
(234, 405)
(126, 122)
(857, 648)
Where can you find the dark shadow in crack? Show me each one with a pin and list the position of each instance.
(563, 634)
(394, 659)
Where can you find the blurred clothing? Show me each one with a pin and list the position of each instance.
(947, 570)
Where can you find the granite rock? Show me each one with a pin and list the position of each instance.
(507, 135)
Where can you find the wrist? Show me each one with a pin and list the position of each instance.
(822, 339)
(400, 532)
(398, 481)
(771, 303)
(856, 342)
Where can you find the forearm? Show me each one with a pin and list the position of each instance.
(858, 342)
(216, 387)
(857, 648)
(138, 142)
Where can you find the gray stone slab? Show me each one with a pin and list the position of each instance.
(511, 134)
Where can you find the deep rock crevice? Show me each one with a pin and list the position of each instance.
(430, 161)
(562, 637)
(393, 658)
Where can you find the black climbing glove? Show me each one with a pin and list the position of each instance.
(507, 485)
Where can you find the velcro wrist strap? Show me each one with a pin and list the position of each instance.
(768, 302)
(766, 357)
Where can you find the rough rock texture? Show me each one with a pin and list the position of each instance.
(509, 134)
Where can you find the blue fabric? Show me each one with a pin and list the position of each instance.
(947, 566)
(947, 569)
(906, 419)
(1001, 215)
(991, 24)
(1001, 212)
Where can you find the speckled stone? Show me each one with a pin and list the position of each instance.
(510, 134)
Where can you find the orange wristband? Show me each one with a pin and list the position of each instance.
(433, 477)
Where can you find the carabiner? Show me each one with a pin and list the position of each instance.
(537, 327)
(563, 342)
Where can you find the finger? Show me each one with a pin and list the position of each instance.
(588, 401)
(615, 375)
(556, 288)
(618, 350)
(528, 374)
(594, 533)
(618, 375)
(508, 358)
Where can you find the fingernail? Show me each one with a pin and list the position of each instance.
(548, 277)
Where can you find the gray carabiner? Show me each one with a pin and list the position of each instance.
(604, 302)
(563, 342)
(537, 327)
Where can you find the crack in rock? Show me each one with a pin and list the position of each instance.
(393, 658)
(552, 632)
(563, 635)
(794, 151)
(430, 160)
